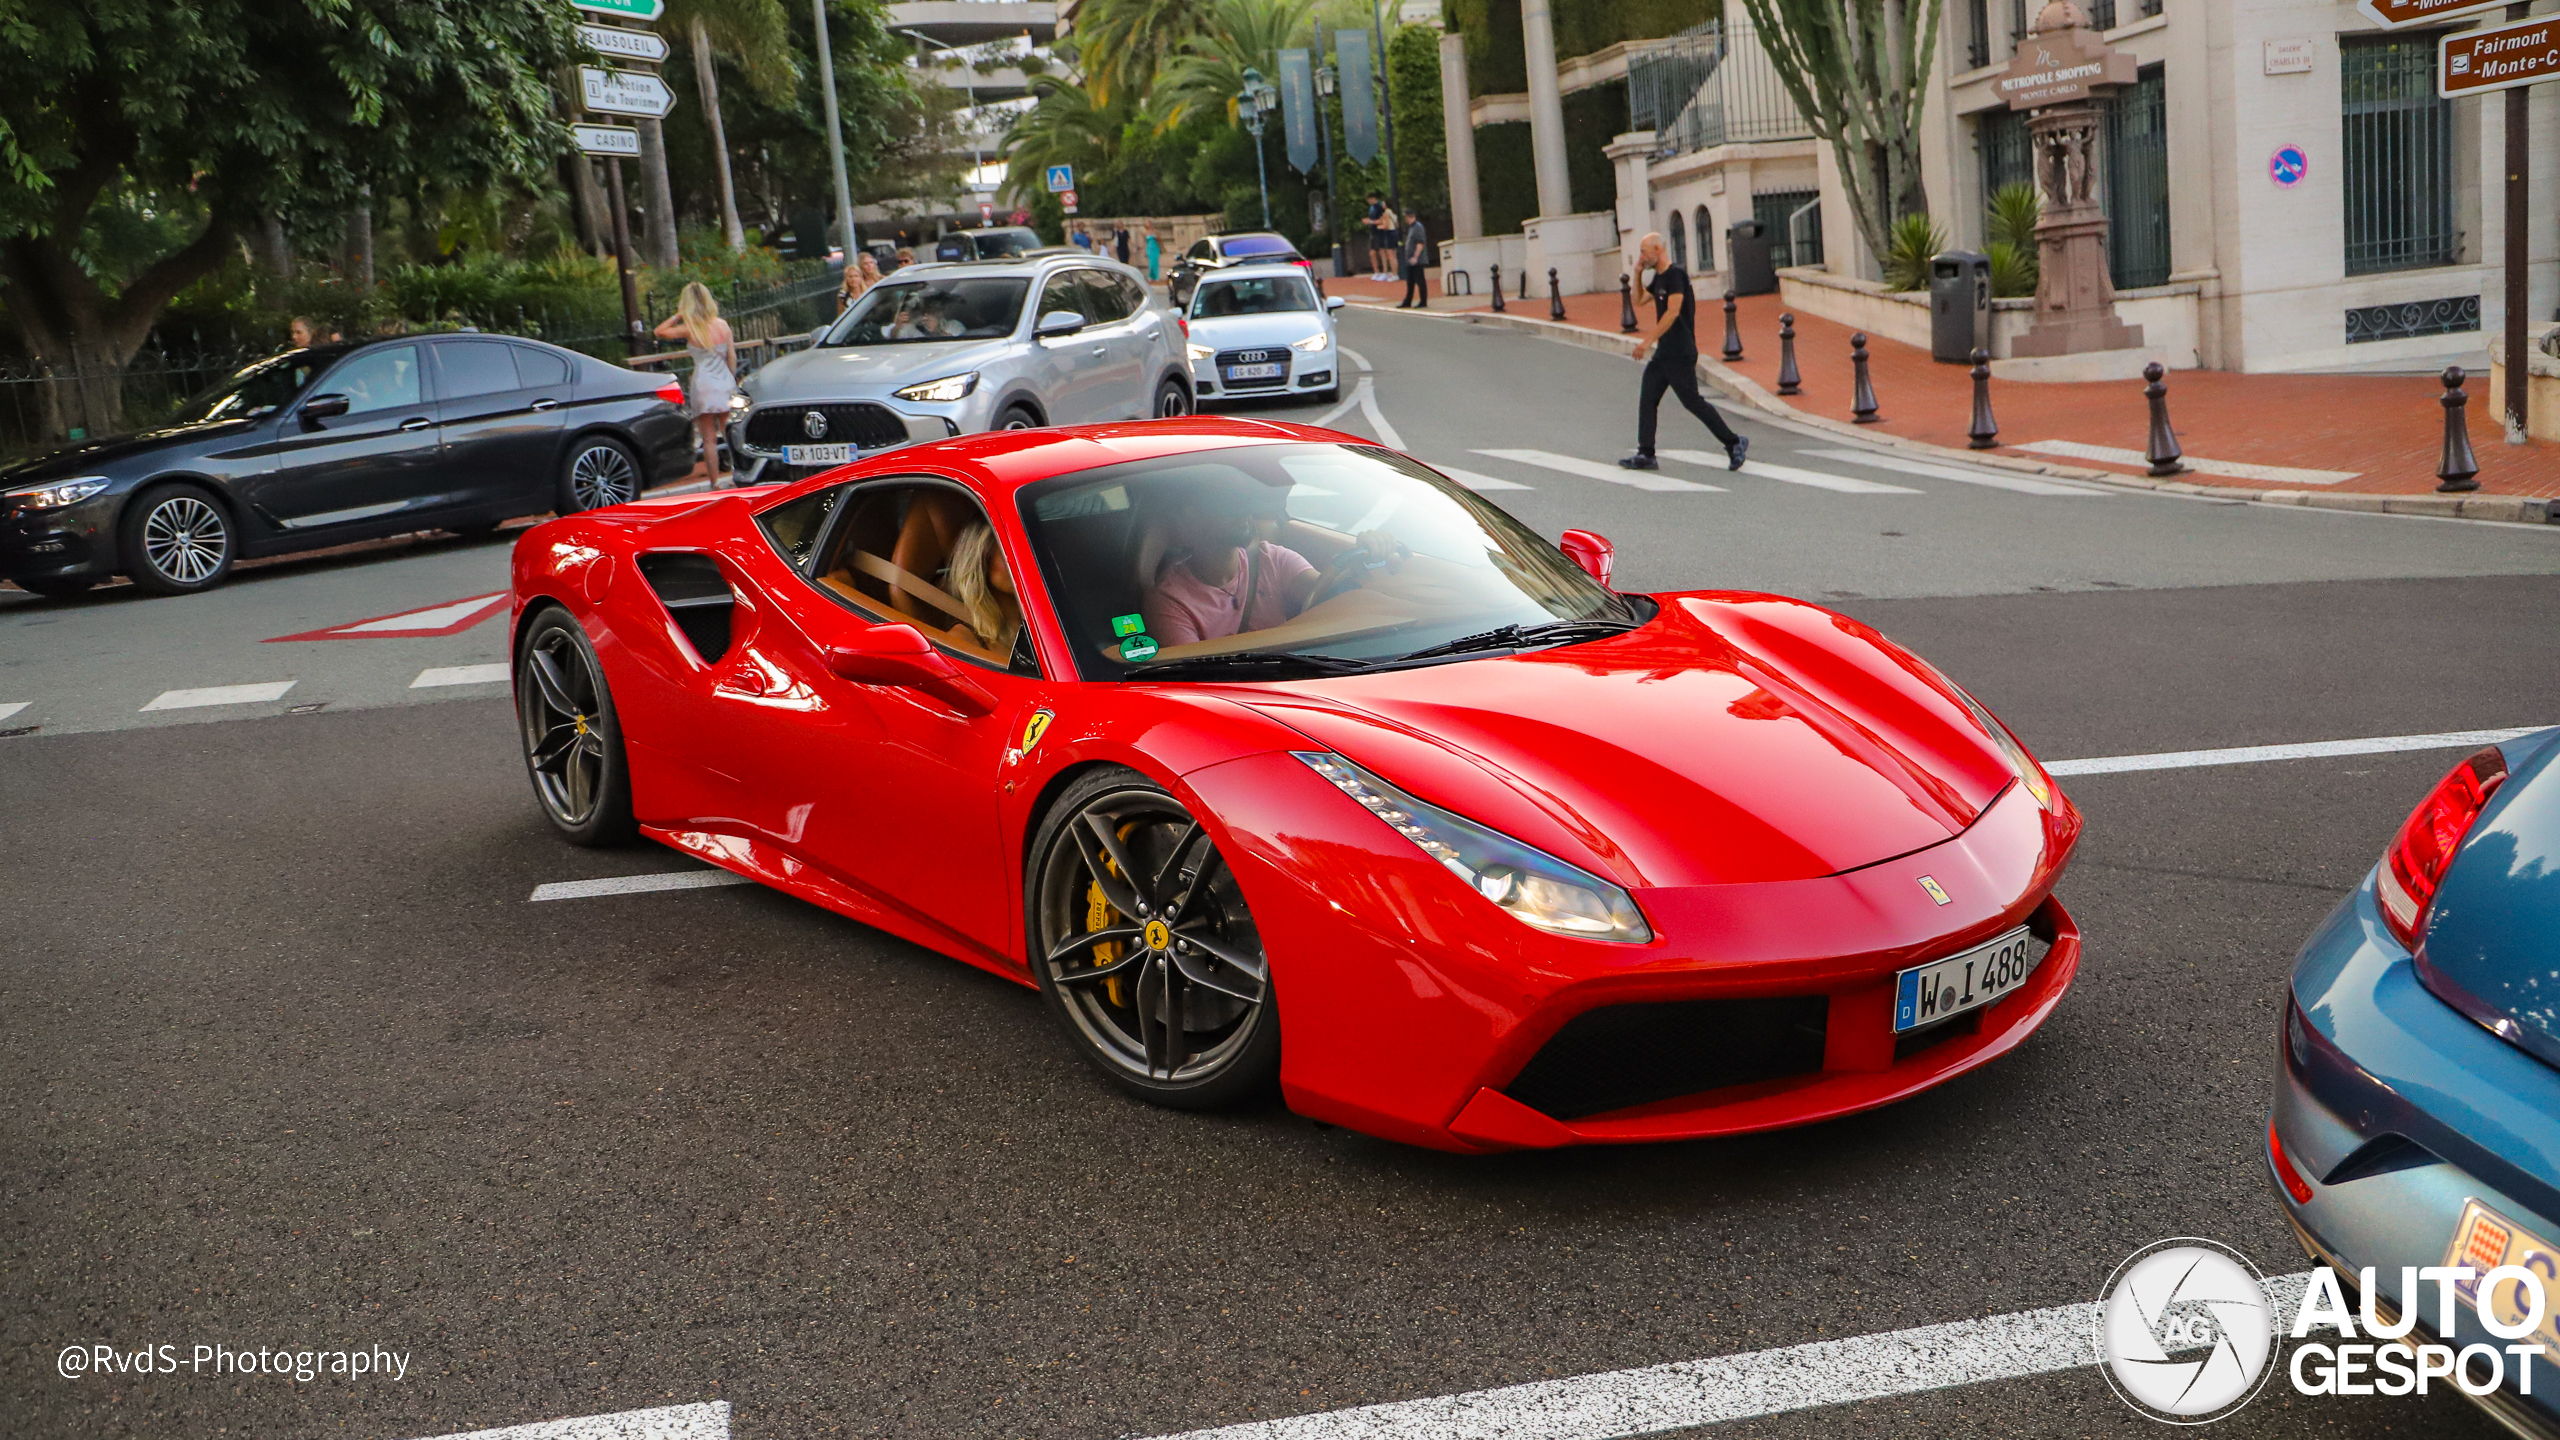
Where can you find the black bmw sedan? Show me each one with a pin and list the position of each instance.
(337, 443)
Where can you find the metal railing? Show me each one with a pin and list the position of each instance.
(1707, 86)
(2397, 156)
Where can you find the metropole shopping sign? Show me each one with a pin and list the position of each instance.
(2056, 67)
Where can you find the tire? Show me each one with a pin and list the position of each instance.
(599, 471)
(1331, 395)
(1018, 416)
(1104, 972)
(571, 734)
(1172, 400)
(177, 540)
(57, 587)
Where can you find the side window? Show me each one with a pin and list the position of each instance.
(1202, 251)
(474, 367)
(1063, 292)
(1133, 295)
(385, 379)
(922, 553)
(540, 368)
(1102, 298)
(794, 525)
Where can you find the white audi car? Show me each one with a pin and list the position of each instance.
(1261, 330)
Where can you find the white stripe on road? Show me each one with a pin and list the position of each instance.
(1354, 356)
(1340, 407)
(1595, 470)
(1792, 476)
(1474, 481)
(637, 884)
(2236, 469)
(220, 695)
(1625, 1403)
(2022, 484)
(1368, 398)
(2259, 754)
(434, 619)
(12, 707)
(460, 675)
(667, 1422)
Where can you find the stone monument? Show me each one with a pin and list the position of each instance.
(2062, 71)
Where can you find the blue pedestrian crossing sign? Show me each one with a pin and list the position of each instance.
(1061, 177)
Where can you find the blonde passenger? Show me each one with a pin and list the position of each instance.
(983, 585)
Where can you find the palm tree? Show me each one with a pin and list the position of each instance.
(1125, 43)
(1208, 69)
(1063, 127)
(756, 35)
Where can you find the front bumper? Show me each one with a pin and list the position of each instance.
(2395, 1111)
(760, 464)
(1413, 1007)
(77, 541)
(1308, 370)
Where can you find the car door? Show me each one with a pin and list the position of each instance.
(501, 433)
(1116, 366)
(1064, 366)
(372, 464)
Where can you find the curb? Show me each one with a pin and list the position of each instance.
(1743, 390)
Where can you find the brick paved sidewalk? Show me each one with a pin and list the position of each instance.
(2388, 430)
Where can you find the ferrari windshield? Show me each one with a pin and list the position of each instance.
(1267, 559)
(944, 307)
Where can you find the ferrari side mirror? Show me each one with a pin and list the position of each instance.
(1592, 552)
(900, 656)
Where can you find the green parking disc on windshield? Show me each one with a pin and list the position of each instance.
(1137, 648)
(1123, 626)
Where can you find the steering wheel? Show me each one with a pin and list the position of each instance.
(1349, 579)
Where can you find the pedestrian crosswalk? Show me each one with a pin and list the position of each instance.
(1788, 474)
(1599, 470)
(1827, 479)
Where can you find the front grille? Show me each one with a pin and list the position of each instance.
(864, 424)
(1622, 1055)
(1279, 356)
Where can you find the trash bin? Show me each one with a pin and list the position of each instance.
(1749, 267)
(1959, 305)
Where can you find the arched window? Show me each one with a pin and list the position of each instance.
(1706, 241)
(1679, 244)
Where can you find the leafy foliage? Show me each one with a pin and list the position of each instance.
(2015, 260)
(1859, 73)
(1915, 241)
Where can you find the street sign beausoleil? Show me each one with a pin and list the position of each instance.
(643, 11)
(2400, 14)
(614, 42)
(619, 140)
(2526, 52)
(625, 92)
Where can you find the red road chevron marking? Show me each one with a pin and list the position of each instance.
(449, 618)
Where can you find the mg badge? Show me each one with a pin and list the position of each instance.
(813, 423)
(1936, 891)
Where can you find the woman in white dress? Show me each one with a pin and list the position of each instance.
(714, 352)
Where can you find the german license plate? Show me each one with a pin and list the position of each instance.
(2485, 1240)
(817, 454)
(1926, 994)
(1256, 372)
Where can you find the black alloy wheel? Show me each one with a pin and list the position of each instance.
(1145, 950)
(572, 738)
(1172, 401)
(600, 471)
(177, 540)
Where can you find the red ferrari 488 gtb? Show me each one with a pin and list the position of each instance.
(1266, 753)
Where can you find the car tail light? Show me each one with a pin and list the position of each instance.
(2294, 1184)
(2415, 864)
(671, 390)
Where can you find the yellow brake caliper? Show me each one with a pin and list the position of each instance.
(1097, 916)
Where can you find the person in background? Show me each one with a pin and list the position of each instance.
(859, 276)
(1674, 366)
(1120, 242)
(1415, 256)
(906, 256)
(1083, 238)
(305, 333)
(714, 352)
(1369, 223)
(1155, 255)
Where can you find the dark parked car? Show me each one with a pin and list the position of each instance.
(1001, 242)
(1216, 252)
(336, 443)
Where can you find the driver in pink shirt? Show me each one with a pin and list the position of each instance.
(1224, 579)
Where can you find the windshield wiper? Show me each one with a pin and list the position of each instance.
(1521, 637)
(1248, 665)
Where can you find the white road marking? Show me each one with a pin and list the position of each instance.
(2259, 754)
(2236, 469)
(1595, 470)
(1339, 407)
(220, 695)
(460, 675)
(1790, 475)
(1368, 398)
(1355, 357)
(12, 707)
(2022, 484)
(435, 619)
(637, 884)
(1619, 1404)
(667, 1422)
(1468, 478)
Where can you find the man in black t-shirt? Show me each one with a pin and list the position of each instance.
(1674, 366)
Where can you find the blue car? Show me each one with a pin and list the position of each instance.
(2417, 1119)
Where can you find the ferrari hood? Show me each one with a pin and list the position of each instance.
(1735, 740)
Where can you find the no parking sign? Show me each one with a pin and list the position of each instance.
(2288, 166)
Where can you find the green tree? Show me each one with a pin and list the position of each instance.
(1206, 72)
(1123, 44)
(214, 111)
(1858, 70)
(756, 35)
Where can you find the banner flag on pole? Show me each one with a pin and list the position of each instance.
(1359, 95)
(1298, 108)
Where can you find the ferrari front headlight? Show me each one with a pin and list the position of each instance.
(58, 494)
(1534, 887)
(948, 388)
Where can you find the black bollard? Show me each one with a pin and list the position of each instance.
(1555, 296)
(1732, 329)
(2164, 454)
(1862, 400)
(1790, 380)
(2459, 470)
(1497, 287)
(1985, 431)
(1626, 303)
(1524, 282)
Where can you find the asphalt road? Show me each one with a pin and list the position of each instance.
(297, 1063)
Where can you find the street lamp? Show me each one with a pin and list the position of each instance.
(1327, 83)
(1253, 103)
(969, 80)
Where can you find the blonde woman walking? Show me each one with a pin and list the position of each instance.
(714, 352)
(859, 276)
